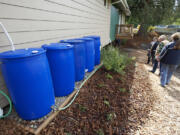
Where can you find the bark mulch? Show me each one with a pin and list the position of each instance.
(114, 105)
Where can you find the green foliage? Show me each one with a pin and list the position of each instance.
(82, 108)
(106, 102)
(111, 116)
(122, 90)
(100, 132)
(114, 60)
(177, 21)
(151, 12)
(109, 76)
(101, 85)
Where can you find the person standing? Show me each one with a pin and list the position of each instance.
(153, 50)
(170, 59)
(155, 39)
(158, 51)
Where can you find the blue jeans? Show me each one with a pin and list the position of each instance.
(166, 73)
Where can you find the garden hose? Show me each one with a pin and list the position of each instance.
(10, 105)
(78, 90)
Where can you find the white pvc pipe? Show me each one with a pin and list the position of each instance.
(8, 36)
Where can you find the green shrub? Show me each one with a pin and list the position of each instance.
(114, 60)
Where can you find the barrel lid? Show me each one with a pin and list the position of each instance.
(20, 53)
(65, 40)
(57, 46)
(73, 41)
(92, 36)
(84, 38)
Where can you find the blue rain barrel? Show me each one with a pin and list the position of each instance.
(79, 58)
(61, 61)
(89, 46)
(28, 79)
(97, 44)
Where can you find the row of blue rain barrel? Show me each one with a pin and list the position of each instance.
(33, 86)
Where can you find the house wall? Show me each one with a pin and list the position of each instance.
(32, 23)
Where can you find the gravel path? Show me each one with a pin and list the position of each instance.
(165, 115)
(164, 118)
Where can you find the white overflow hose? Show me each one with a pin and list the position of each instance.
(8, 36)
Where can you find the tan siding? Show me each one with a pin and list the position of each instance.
(32, 23)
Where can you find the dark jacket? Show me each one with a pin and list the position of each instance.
(154, 47)
(169, 55)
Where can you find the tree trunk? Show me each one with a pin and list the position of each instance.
(143, 30)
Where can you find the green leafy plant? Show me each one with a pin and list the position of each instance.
(101, 85)
(100, 132)
(82, 108)
(114, 60)
(109, 76)
(111, 116)
(106, 102)
(122, 90)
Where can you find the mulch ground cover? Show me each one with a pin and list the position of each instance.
(108, 104)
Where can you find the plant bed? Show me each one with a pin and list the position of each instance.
(107, 105)
(101, 108)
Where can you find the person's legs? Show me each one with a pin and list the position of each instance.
(149, 59)
(153, 58)
(171, 69)
(164, 70)
(155, 65)
(159, 68)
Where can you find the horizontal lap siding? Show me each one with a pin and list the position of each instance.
(32, 23)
